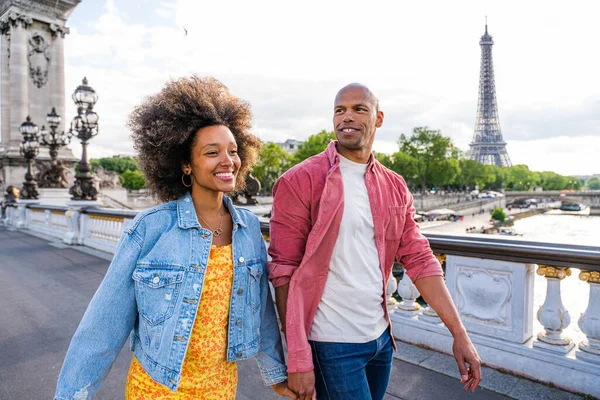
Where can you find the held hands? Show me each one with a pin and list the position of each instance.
(282, 389)
(303, 385)
(465, 353)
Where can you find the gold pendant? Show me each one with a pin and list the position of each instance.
(217, 232)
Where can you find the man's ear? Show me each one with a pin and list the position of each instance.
(379, 121)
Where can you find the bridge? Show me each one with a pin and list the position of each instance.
(590, 197)
(507, 291)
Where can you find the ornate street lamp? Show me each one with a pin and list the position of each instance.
(84, 126)
(55, 177)
(29, 148)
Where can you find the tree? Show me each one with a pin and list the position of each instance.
(314, 145)
(498, 214)
(405, 165)
(519, 177)
(432, 151)
(273, 162)
(132, 180)
(474, 174)
(116, 164)
(593, 184)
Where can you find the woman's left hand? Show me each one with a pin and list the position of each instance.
(282, 389)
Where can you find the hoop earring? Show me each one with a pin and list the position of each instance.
(183, 180)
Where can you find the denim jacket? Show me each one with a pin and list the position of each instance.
(152, 290)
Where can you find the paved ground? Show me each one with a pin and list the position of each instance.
(46, 286)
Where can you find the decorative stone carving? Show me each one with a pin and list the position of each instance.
(16, 19)
(484, 295)
(4, 27)
(54, 176)
(56, 30)
(39, 59)
(107, 179)
(493, 297)
(589, 322)
(553, 315)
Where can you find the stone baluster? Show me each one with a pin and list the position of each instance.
(553, 315)
(392, 286)
(409, 293)
(589, 322)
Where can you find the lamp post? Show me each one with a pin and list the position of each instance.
(55, 177)
(29, 148)
(84, 126)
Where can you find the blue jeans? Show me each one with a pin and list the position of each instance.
(357, 371)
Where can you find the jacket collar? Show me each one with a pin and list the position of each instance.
(334, 156)
(186, 213)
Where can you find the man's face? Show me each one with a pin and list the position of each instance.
(356, 118)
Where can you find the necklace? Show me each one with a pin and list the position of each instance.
(216, 232)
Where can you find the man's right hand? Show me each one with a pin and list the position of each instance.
(303, 384)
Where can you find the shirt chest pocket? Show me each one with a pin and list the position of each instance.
(394, 225)
(157, 291)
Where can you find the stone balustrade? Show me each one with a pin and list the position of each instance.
(492, 282)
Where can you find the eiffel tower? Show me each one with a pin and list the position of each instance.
(488, 146)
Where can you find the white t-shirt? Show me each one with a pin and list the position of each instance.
(350, 310)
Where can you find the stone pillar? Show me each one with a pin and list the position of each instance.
(553, 315)
(19, 71)
(5, 84)
(57, 71)
(392, 286)
(589, 322)
(74, 235)
(22, 218)
(409, 293)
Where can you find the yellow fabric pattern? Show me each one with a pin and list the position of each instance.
(206, 373)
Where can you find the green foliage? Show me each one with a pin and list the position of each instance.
(273, 162)
(116, 164)
(314, 145)
(406, 166)
(474, 174)
(383, 158)
(593, 184)
(132, 180)
(433, 153)
(498, 214)
(519, 178)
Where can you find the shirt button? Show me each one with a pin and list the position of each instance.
(203, 235)
(187, 200)
(240, 291)
(241, 259)
(238, 355)
(156, 279)
(238, 322)
(187, 212)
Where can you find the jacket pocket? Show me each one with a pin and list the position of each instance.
(395, 223)
(157, 291)
(255, 272)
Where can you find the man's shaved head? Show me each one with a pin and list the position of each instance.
(369, 94)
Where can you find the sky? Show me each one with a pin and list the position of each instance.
(288, 59)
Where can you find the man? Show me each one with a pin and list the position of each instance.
(338, 221)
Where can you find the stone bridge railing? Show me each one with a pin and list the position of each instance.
(493, 281)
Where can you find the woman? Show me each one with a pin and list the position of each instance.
(188, 278)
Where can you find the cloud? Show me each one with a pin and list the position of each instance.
(289, 61)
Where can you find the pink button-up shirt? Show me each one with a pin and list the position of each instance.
(305, 222)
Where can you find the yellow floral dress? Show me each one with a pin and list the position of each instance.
(206, 373)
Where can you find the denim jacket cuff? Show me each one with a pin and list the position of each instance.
(274, 375)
